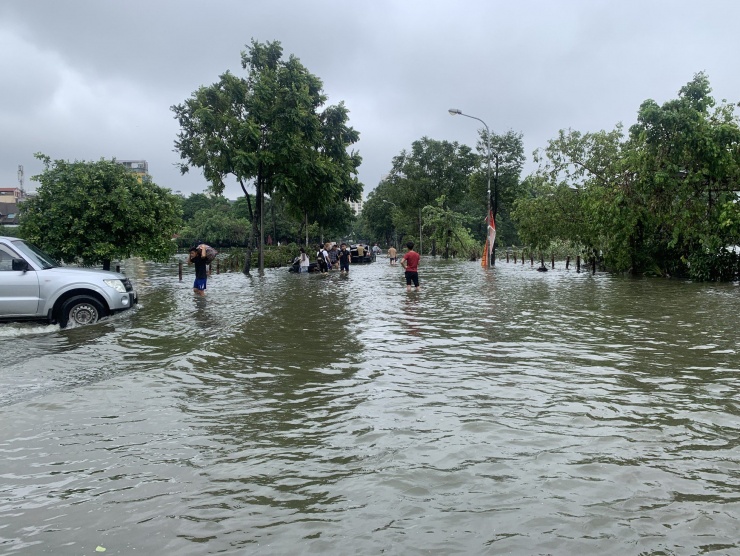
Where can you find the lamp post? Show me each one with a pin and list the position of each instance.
(421, 245)
(457, 112)
(395, 232)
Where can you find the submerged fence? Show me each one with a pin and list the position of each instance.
(523, 255)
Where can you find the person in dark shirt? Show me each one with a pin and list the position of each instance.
(198, 258)
(345, 256)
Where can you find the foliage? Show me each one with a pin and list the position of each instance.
(95, 212)
(661, 200)
(269, 127)
(507, 161)
(224, 223)
(723, 265)
(218, 227)
(431, 170)
(11, 232)
(447, 230)
(274, 256)
(197, 202)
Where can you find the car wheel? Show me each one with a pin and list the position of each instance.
(80, 310)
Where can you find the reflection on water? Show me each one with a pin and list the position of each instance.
(493, 412)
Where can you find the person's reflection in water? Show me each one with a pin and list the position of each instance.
(411, 308)
(202, 316)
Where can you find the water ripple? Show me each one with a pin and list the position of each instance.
(507, 411)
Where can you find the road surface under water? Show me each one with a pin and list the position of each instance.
(505, 411)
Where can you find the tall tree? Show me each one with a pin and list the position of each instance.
(269, 127)
(663, 200)
(94, 212)
(429, 171)
(507, 161)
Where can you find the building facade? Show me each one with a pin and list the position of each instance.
(356, 206)
(140, 168)
(9, 199)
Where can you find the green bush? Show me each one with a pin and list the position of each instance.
(275, 257)
(709, 267)
(11, 232)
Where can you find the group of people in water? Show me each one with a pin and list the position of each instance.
(331, 256)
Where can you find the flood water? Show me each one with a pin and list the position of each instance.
(494, 412)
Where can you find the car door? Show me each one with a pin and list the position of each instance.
(19, 291)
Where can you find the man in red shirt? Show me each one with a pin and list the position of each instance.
(410, 263)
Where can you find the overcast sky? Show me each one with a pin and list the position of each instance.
(85, 79)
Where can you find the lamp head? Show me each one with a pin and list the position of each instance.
(454, 111)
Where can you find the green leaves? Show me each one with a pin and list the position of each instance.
(269, 126)
(93, 212)
(662, 197)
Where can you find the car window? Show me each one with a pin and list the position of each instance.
(35, 254)
(6, 259)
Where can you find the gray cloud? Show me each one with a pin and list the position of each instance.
(90, 79)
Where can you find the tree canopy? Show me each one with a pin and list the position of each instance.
(440, 186)
(663, 199)
(95, 212)
(271, 127)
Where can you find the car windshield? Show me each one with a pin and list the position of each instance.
(35, 254)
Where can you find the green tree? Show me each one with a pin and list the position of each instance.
(218, 226)
(197, 202)
(447, 229)
(686, 157)
(507, 161)
(94, 212)
(269, 127)
(429, 171)
(376, 220)
(663, 200)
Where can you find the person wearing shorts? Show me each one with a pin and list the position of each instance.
(344, 258)
(410, 264)
(198, 258)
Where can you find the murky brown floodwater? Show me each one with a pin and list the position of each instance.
(499, 412)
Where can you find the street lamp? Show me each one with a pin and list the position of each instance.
(457, 112)
(395, 232)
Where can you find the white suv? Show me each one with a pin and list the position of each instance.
(34, 287)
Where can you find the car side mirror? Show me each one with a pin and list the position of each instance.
(20, 264)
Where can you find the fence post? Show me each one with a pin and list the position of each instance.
(552, 260)
(507, 255)
(567, 262)
(578, 263)
(179, 270)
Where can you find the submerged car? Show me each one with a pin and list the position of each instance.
(34, 287)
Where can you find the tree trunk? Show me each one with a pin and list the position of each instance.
(261, 212)
(252, 232)
(274, 225)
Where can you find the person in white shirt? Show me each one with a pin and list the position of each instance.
(304, 262)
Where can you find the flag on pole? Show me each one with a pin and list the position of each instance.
(491, 237)
(491, 232)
